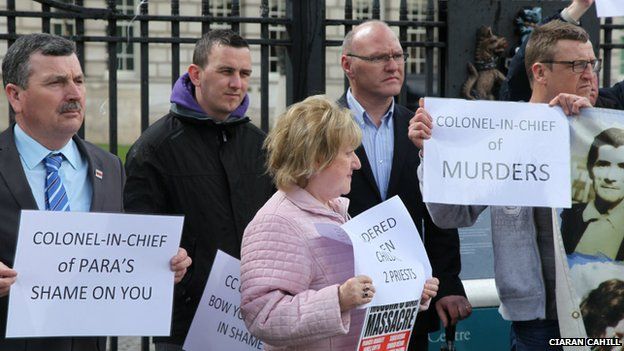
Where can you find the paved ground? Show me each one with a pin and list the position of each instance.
(128, 343)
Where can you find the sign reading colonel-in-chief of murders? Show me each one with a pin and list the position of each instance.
(110, 270)
(497, 153)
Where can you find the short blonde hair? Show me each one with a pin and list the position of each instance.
(307, 138)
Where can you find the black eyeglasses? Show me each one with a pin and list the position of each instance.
(398, 58)
(579, 66)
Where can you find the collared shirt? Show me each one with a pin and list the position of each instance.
(73, 171)
(604, 233)
(378, 142)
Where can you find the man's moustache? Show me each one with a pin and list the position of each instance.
(71, 106)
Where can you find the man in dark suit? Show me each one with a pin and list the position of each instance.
(44, 165)
(373, 60)
(597, 227)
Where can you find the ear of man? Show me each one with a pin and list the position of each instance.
(13, 95)
(194, 72)
(346, 65)
(539, 72)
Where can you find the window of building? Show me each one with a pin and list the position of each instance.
(416, 12)
(63, 26)
(277, 9)
(220, 8)
(363, 10)
(125, 49)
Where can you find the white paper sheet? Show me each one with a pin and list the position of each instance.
(388, 248)
(497, 153)
(85, 274)
(610, 8)
(218, 323)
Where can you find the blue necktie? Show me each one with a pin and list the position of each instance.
(55, 195)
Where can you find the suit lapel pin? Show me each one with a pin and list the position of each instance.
(98, 174)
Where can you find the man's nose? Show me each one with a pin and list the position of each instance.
(236, 81)
(611, 174)
(391, 64)
(588, 72)
(73, 91)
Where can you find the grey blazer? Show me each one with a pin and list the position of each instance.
(15, 195)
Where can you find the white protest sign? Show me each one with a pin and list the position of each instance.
(610, 8)
(387, 248)
(497, 153)
(85, 274)
(218, 323)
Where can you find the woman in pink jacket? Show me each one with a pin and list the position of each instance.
(298, 290)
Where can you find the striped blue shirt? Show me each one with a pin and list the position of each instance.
(73, 171)
(378, 142)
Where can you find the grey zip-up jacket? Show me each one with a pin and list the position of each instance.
(519, 268)
(518, 260)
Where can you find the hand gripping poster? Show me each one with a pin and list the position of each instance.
(592, 230)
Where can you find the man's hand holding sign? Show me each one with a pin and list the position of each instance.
(7, 278)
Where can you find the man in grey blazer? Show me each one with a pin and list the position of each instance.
(45, 87)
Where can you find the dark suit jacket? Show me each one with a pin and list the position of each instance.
(442, 245)
(573, 228)
(15, 195)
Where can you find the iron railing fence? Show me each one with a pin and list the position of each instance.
(110, 14)
(305, 46)
(434, 44)
(608, 29)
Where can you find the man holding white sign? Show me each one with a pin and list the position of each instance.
(44, 165)
(560, 61)
(373, 61)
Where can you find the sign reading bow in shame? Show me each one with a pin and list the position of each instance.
(218, 323)
(497, 153)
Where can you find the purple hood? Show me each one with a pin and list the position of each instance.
(183, 95)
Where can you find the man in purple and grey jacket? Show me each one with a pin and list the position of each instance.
(203, 160)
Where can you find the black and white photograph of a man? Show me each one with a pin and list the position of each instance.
(596, 227)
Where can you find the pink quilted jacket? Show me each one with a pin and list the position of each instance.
(290, 276)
